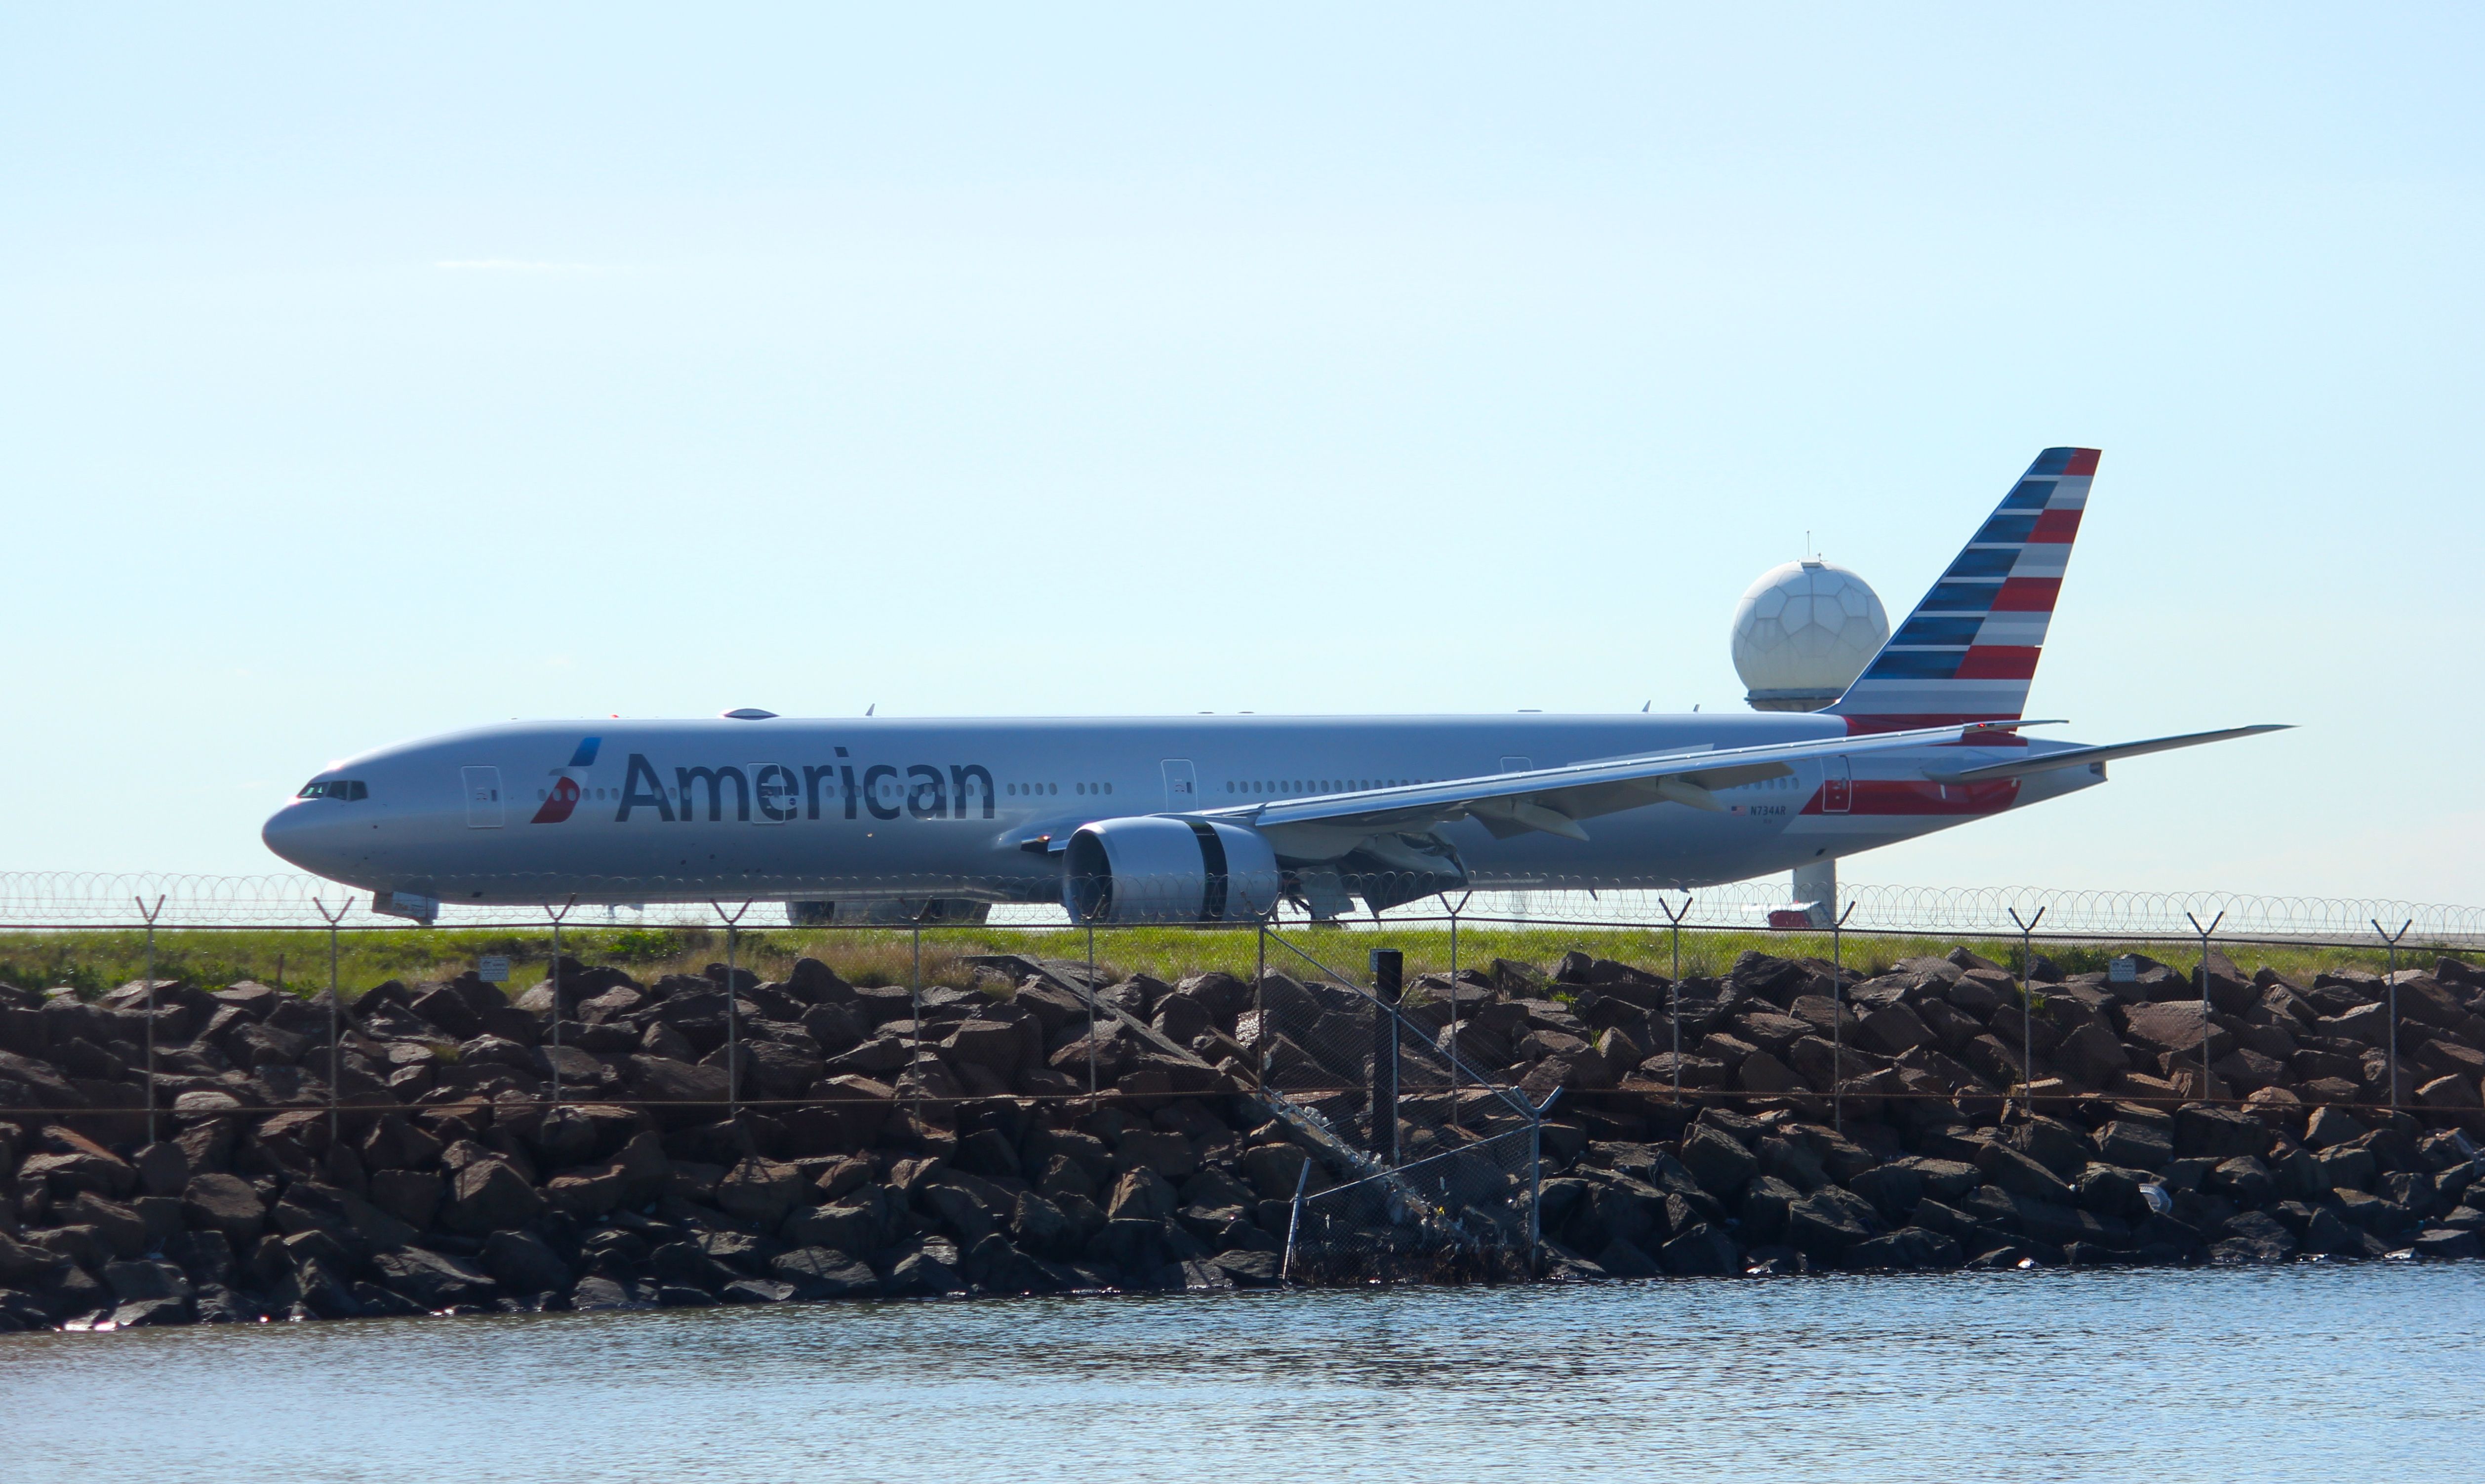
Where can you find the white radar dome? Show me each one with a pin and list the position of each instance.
(1803, 632)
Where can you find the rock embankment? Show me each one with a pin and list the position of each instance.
(1928, 1118)
(871, 1157)
(404, 1154)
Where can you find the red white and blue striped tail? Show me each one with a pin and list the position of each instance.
(1969, 650)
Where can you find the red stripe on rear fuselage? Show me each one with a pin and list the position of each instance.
(1886, 797)
(1866, 725)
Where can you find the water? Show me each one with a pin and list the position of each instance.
(2314, 1373)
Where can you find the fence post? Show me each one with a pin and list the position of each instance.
(555, 992)
(1259, 999)
(1090, 983)
(915, 1004)
(2391, 985)
(2205, 996)
(151, 914)
(2028, 1008)
(732, 1012)
(1836, 1021)
(1535, 1183)
(1388, 981)
(1674, 991)
(336, 1002)
(1453, 999)
(1295, 1219)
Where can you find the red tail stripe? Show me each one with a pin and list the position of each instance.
(2057, 525)
(2084, 461)
(1998, 661)
(2026, 594)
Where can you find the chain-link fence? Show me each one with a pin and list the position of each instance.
(40, 899)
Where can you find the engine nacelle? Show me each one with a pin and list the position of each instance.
(1154, 868)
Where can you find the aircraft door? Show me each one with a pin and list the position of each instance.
(1837, 786)
(482, 798)
(1181, 785)
(776, 794)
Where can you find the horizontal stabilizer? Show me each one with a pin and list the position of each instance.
(2076, 757)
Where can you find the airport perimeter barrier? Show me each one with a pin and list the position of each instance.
(36, 901)
(1423, 1162)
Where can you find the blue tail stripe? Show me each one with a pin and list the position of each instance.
(1959, 598)
(584, 755)
(1916, 665)
(1924, 630)
(1984, 563)
(2007, 530)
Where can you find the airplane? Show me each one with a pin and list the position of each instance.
(1223, 818)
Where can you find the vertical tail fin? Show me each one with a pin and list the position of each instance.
(1969, 650)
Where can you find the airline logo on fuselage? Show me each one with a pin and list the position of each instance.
(564, 794)
(778, 793)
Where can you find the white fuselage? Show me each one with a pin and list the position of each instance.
(785, 809)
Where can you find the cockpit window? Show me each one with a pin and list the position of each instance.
(348, 788)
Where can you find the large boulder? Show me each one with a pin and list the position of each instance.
(1717, 1160)
(1169, 1155)
(1907, 1248)
(522, 1263)
(25, 1266)
(761, 1191)
(1701, 1252)
(2019, 1174)
(2176, 1027)
(962, 1210)
(2205, 1132)
(119, 1227)
(434, 1279)
(488, 1196)
(1828, 1222)
(929, 1266)
(2135, 1144)
(823, 1273)
(664, 1080)
(2254, 1237)
(410, 1196)
(858, 1224)
(633, 1176)
(1764, 1074)
(225, 1204)
(1893, 1189)
(1042, 1227)
(1142, 1195)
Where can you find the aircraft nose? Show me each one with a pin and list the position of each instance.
(299, 831)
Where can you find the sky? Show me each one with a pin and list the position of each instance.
(372, 372)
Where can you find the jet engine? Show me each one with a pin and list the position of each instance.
(1156, 869)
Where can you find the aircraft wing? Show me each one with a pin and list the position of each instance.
(2075, 757)
(1554, 800)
